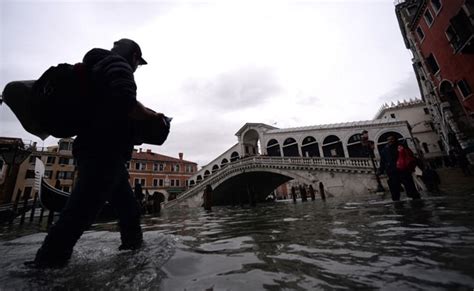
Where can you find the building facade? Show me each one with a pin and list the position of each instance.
(159, 173)
(60, 168)
(418, 116)
(440, 34)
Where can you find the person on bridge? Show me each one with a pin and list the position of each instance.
(102, 177)
(398, 162)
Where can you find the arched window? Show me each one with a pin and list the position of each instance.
(234, 157)
(191, 183)
(332, 147)
(215, 168)
(290, 148)
(273, 148)
(198, 179)
(224, 163)
(382, 141)
(206, 174)
(310, 147)
(355, 148)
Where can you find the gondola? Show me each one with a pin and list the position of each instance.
(51, 198)
(55, 200)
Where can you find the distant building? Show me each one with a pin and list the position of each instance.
(154, 172)
(12, 152)
(440, 34)
(60, 168)
(417, 113)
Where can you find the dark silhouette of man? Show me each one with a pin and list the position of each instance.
(102, 147)
(396, 177)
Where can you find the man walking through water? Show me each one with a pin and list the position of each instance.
(102, 175)
(389, 157)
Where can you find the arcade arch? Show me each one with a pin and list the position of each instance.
(310, 147)
(234, 157)
(332, 147)
(290, 148)
(273, 148)
(251, 143)
(354, 147)
(382, 141)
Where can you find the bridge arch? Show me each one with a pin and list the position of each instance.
(273, 148)
(206, 174)
(332, 147)
(290, 148)
(236, 187)
(215, 168)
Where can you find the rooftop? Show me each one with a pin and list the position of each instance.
(151, 156)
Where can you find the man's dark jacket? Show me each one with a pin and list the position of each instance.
(107, 132)
(388, 159)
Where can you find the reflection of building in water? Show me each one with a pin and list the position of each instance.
(440, 35)
(423, 130)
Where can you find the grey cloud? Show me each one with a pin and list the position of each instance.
(201, 140)
(240, 89)
(405, 89)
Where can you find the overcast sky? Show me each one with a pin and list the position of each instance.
(215, 65)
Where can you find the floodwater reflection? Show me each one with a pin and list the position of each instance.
(345, 243)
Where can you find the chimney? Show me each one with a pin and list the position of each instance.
(180, 156)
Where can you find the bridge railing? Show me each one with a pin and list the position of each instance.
(276, 162)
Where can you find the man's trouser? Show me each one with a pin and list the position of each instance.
(405, 178)
(98, 181)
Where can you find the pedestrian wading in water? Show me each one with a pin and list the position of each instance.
(102, 177)
(398, 162)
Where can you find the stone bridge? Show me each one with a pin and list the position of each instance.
(260, 175)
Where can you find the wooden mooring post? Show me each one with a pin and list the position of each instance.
(15, 206)
(26, 196)
(33, 207)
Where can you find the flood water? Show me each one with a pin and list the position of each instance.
(345, 243)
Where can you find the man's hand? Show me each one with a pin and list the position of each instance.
(140, 112)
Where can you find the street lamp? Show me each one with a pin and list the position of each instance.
(369, 146)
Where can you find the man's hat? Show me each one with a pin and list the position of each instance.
(127, 46)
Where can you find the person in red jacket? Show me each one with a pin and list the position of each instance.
(397, 161)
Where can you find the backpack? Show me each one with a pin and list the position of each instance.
(406, 161)
(60, 98)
